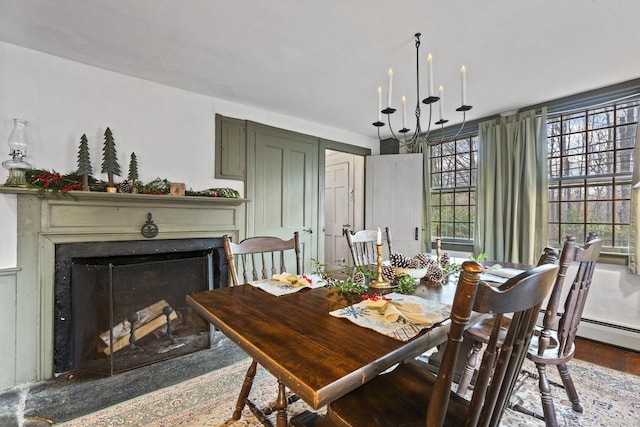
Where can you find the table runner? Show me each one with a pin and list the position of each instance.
(400, 329)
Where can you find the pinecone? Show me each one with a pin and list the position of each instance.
(444, 259)
(359, 278)
(423, 260)
(434, 274)
(413, 263)
(431, 263)
(124, 187)
(389, 273)
(399, 260)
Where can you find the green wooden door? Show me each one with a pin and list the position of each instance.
(282, 187)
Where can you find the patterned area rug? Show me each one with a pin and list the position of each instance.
(609, 398)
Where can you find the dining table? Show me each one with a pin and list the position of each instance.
(316, 355)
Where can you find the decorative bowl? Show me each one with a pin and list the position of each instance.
(416, 273)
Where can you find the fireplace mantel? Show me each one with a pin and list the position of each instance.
(46, 220)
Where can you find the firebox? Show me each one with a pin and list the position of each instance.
(121, 305)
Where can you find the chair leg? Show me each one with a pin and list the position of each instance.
(546, 397)
(281, 406)
(572, 394)
(246, 388)
(469, 369)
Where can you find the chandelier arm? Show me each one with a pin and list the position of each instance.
(464, 119)
(442, 127)
(390, 128)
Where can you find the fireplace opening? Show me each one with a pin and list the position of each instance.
(121, 305)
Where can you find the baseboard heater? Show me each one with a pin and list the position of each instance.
(608, 333)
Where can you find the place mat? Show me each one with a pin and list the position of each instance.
(392, 321)
(499, 274)
(277, 288)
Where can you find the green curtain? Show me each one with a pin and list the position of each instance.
(634, 220)
(426, 198)
(512, 188)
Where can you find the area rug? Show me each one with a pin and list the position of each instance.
(609, 398)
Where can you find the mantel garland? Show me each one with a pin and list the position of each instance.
(46, 181)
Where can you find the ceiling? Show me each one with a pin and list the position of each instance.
(322, 61)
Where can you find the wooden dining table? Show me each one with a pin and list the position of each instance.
(317, 356)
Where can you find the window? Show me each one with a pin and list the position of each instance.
(590, 171)
(453, 187)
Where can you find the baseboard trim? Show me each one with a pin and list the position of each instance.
(607, 333)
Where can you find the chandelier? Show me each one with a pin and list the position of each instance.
(412, 141)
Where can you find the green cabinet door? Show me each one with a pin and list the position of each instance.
(231, 148)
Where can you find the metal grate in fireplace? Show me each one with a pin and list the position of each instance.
(121, 305)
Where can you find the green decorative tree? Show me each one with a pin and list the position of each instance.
(110, 164)
(84, 162)
(133, 171)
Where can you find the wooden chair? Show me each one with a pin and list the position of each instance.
(362, 245)
(411, 395)
(259, 258)
(553, 344)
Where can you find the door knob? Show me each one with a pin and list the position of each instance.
(307, 230)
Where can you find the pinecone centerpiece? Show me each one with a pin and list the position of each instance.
(414, 267)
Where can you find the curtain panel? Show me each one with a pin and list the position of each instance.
(512, 189)
(634, 217)
(423, 147)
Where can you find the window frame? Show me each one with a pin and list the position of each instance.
(576, 137)
(460, 189)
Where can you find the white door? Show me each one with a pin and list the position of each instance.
(394, 198)
(339, 206)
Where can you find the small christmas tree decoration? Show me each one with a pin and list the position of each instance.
(84, 162)
(133, 171)
(110, 164)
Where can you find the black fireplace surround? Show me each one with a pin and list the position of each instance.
(210, 262)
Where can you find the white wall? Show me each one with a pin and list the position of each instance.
(171, 131)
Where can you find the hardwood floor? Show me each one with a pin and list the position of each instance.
(612, 357)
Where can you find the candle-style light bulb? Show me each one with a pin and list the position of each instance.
(430, 73)
(379, 237)
(404, 112)
(379, 103)
(390, 84)
(463, 76)
(441, 103)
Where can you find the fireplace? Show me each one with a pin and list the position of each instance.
(121, 305)
(85, 229)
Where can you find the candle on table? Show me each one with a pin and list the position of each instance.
(390, 74)
(441, 103)
(463, 76)
(404, 112)
(379, 237)
(379, 103)
(430, 74)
